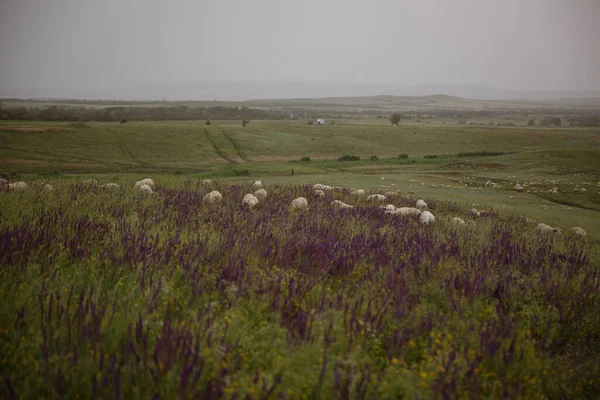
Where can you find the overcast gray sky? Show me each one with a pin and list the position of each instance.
(511, 44)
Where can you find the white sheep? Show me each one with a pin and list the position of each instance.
(579, 231)
(457, 221)
(3, 184)
(257, 184)
(421, 204)
(376, 197)
(48, 187)
(250, 200)
(17, 186)
(110, 186)
(319, 186)
(319, 193)
(340, 205)
(405, 211)
(261, 194)
(205, 182)
(300, 203)
(475, 212)
(148, 182)
(519, 188)
(146, 189)
(543, 228)
(427, 218)
(359, 192)
(213, 197)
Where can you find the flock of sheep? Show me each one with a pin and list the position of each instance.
(251, 200)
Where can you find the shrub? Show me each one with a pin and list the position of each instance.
(484, 153)
(430, 156)
(395, 119)
(240, 172)
(124, 120)
(208, 122)
(348, 157)
(305, 158)
(245, 122)
(374, 158)
(403, 156)
(178, 172)
(530, 122)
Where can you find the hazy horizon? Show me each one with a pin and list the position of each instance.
(95, 49)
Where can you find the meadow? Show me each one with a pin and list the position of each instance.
(115, 293)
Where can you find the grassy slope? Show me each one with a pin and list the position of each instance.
(222, 149)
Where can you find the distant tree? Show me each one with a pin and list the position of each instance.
(208, 122)
(395, 119)
(124, 120)
(245, 122)
(530, 122)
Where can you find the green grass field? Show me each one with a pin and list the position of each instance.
(173, 152)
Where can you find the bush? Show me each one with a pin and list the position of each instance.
(240, 172)
(484, 153)
(124, 120)
(374, 158)
(208, 122)
(178, 172)
(305, 158)
(530, 122)
(403, 156)
(245, 122)
(430, 156)
(348, 157)
(395, 119)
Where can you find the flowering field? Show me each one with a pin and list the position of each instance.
(113, 293)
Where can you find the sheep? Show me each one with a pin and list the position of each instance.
(318, 186)
(475, 213)
(148, 182)
(543, 228)
(17, 186)
(110, 186)
(213, 197)
(340, 205)
(261, 194)
(250, 200)
(519, 188)
(359, 192)
(319, 193)
(3, 184)
(205, 182)
(48, 187)
(146, 189)
(421, 204)
(300, 203)
(427, 218)
(457, 221)
(579, 231)
(257, 184)
(377, 197)
(404, 211)
(389, 207)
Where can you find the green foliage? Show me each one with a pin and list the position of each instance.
(207, 122)
(374, 158)
(305, 159)
(395, 119)
(348, 157)
(245, 122)
(402, 156)
(430, 156)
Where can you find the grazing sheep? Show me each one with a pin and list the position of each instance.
(257, 184)
(318, 186)
(359, 192)
(405, 211)
(213, 197)
(261, 194)
(146, 189)
(110, 186)
(377, 197)
(543, 228)
(390, 207)
(300, 203)
(250, 200)
(427, 218)
(475, 213)
(340, 205)
(579, 231)
(148, 182)
(319, 193)
(17, 186)
(457, 221)
(519, 188)
(421, 204)
(3, 184)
